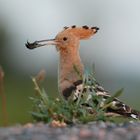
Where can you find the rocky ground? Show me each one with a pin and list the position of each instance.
(95, 131)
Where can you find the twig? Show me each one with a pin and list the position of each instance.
(3, 97)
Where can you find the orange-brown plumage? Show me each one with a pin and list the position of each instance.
(67, 44)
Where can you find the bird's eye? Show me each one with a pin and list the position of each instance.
(65, 38)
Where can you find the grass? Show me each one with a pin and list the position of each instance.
(49, 109)
(46, 107)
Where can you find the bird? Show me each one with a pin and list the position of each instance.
(71, 69)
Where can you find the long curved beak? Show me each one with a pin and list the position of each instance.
(41, 43)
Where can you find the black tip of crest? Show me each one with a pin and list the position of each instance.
(95, 28)
(85, 27)
(73, 26)
(66, 27)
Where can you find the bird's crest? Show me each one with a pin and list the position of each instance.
(83, 32)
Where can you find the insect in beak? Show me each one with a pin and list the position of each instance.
(41, 43)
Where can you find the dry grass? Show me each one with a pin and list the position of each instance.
(3, 98)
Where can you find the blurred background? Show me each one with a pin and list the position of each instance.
(114, 50)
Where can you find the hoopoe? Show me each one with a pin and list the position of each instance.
(69, 82)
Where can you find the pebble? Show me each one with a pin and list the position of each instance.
(94, 130)
(85, 133)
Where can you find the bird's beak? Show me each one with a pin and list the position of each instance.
(41, 43)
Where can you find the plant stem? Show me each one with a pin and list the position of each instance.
(36, 86)
(3, 97)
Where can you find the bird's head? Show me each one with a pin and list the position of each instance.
(66, 39)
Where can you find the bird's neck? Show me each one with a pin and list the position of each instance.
(70, 68)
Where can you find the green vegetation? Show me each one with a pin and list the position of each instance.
(18, 89)
(48, 109)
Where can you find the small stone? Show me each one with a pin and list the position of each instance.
(28, 125)
(39, 137)
(74, 137)
(85, 133)
(120, 131)
(56, 124)
(40, 124)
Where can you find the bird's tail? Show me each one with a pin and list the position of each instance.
(123, 109)
(115, 105)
